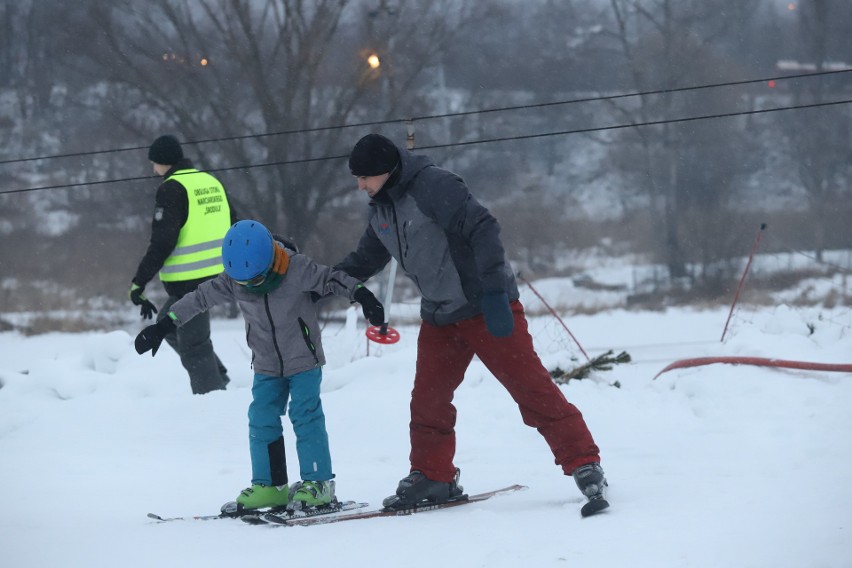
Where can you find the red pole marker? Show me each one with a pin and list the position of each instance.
(553, 312)
(742, 279)
(383, 333)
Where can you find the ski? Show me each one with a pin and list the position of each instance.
(594, 506)
(253, 516)
(284, 520)
(161, 519)
(259, 517)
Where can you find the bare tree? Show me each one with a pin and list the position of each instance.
(264, 78)
(687, 171)
(30, 79)
(819, 141)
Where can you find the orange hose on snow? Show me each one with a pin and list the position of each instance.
(759, 362)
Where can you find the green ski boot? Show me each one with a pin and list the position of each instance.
(307, 494)
(260, 496)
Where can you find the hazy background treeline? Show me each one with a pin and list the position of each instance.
(261, 91)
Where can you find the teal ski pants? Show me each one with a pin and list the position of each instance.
(270, 396)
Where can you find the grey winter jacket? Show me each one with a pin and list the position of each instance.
(281, 327)
(444, 240)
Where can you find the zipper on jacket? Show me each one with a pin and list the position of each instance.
(398, 236)
(405, 226)
(306, 335)
(274, 338)
(248, 334)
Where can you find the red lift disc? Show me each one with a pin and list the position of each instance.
(374, 333)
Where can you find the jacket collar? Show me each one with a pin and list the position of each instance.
(184, 164)
(409, 166)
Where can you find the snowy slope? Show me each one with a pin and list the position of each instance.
(711, 466)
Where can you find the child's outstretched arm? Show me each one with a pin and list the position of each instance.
(324, 280)
(208, 294)
(219, 290)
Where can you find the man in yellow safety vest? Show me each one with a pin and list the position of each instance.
(191, 216)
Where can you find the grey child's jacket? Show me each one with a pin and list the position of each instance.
(281, 327)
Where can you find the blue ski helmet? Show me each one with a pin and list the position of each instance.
(247, 250)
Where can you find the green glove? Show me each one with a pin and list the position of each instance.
(147, 309)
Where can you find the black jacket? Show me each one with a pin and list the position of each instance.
(445, 241)
(170, 214)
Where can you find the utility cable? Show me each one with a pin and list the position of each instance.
(446, 115)
(459, 144)
(812, 257)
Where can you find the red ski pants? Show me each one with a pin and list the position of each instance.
(444, 354)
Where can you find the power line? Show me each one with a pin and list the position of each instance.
(813, 257)
(637, 124)
(468, 143)
(444, 115)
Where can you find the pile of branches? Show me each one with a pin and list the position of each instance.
(602, 362)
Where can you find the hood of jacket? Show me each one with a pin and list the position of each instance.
(409, 166)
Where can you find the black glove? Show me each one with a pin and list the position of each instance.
(152, 336)
(497, 313)
(148, 309)
(372, 308)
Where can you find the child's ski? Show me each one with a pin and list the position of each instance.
(230, 511)
(283, 520)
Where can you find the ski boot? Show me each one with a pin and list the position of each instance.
(260, 496)
(592, 483)
(417, 489)
(307, 494)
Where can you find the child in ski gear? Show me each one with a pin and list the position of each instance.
(184, 249)
(449, 245)
(272, 285)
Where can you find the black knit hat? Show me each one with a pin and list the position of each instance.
(165, 150)
(373, 155)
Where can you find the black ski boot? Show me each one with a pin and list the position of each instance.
(591, 481)
(417, 489)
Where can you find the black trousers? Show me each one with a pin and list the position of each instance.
(192, 343)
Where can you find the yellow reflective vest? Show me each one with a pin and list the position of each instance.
(198, 252)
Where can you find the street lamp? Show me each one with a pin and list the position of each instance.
(371, 72)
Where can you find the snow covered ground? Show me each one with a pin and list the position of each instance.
(711, 466)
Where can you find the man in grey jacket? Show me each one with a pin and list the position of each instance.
(273, 286)
(449, 245)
